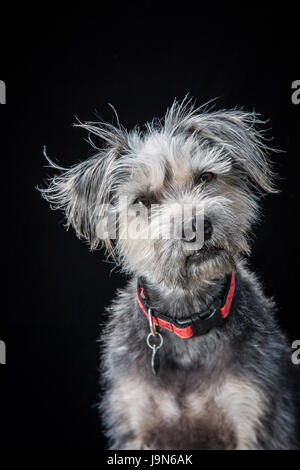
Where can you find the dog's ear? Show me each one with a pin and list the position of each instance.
(84, 190)
(236, 133)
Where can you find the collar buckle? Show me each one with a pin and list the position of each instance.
(205, 321)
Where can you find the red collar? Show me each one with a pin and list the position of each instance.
(198, 323)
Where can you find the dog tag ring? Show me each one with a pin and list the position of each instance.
(154, 344)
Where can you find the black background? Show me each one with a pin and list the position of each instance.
(61, 64)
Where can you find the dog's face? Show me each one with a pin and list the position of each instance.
(195, 172)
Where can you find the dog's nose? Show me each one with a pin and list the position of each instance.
(189, 229)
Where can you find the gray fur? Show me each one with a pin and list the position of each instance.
(231, 388)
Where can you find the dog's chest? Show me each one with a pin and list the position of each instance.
(225, 415)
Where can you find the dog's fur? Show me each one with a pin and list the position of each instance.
(231, 388)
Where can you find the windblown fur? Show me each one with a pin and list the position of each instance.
(231, 388)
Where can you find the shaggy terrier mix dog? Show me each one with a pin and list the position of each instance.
(193, 356)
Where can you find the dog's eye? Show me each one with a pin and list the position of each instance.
(143, 201)
(205, 177)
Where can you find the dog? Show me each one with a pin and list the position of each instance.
(193, 357)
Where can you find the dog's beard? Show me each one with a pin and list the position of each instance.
(205, 253)
(184, 271)
(176, 266)
(209, 262)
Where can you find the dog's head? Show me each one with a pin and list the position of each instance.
(173, 203)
